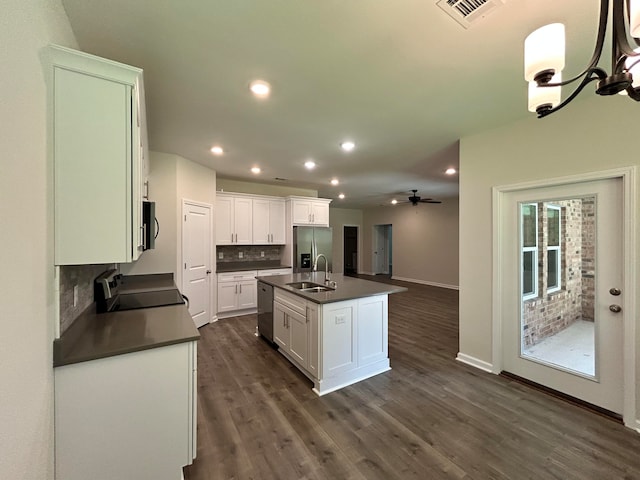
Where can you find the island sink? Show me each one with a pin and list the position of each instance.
(309, 287)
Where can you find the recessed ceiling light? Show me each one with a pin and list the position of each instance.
(450, 171)
(394, 201)
(310, 164)
(334, 181)
(341, 196)
(348, 145)
(255, 170)
(217, 150)
(260, 88)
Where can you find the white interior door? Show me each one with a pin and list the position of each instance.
(562, 281)
(196, 255)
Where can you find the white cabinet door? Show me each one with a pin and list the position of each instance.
(277, 222)
(126, 416)
(247, 294)
(227, 296)
(320, 213)
(261, 222)
(224, 220)
(97, 139)
(301, 212)
(243, 218)
(280, 329)
(298, 338)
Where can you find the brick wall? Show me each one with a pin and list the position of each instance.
(550, 313)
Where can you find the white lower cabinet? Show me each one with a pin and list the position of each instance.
(237, 291)
(127, 416)
(334, 344)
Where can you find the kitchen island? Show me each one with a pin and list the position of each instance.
(335, 332)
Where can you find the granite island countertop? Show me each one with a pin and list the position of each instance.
(347, 288)
(99, 335)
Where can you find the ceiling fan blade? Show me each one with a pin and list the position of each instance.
(430, 200)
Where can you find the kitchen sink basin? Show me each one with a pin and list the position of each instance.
(310, 287)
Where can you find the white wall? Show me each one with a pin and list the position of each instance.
(338, 218)
(238, 186)
(172, 179)
(589, 135)
(163, 172)
(26, 236)
(425, 241)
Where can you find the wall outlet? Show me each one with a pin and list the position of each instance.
(240, 254)
(220, 255)
(262, 254)
(75, 295)
(340, 319)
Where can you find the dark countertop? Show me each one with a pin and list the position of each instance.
(223, 267)
(100, 335)
(347, 288)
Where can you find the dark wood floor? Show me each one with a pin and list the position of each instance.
(430, 417)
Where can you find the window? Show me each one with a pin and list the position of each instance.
(554, 260)
(529, 237)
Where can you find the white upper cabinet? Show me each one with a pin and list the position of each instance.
(268, 221)
(99, 139)
(309, 211)
(234, 224)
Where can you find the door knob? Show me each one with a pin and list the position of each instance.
(615, 291)
(615, 308)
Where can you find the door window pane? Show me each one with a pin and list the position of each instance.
(529, 225)
(529, 279)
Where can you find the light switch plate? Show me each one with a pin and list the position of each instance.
(220, 255)
(240, 255)
(75, 295)
(262, 254)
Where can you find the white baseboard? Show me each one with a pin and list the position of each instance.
(638, 425)
(213, 319)
(425, 282)
(366, 273)
(237, 313)
(474, 362)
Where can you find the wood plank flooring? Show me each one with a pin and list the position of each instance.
(430, 417)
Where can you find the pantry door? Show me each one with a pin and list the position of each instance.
(562, 302)
(196, 260)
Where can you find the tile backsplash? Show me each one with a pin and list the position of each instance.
(250, 253)
(82, 276)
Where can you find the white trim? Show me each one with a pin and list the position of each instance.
(629, 221)
(637, 426)
(475, 362)
(236, 313)
(426, 282)
(366, 273)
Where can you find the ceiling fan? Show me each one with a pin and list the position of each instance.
(414, 199)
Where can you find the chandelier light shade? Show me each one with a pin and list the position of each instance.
(634, 14)
(544, 52)
(545, 95)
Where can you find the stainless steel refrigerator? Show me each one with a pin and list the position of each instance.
(309, 242)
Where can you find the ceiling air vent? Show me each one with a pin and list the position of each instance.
(468, 12)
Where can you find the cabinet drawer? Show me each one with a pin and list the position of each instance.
(236, 276)
(275, 271)
(290, 300)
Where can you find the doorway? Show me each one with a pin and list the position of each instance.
(562, 278)
(382, 260)
(350, 249)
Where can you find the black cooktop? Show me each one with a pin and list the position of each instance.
(159, 298)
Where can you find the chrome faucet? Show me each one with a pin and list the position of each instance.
(327, 278)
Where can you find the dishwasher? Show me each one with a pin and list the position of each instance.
(265, 310)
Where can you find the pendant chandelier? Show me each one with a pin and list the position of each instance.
(544, 51)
